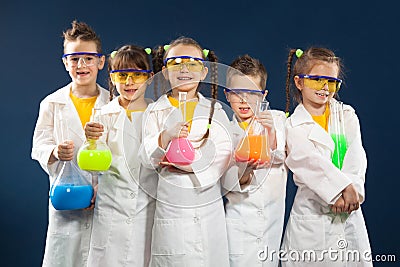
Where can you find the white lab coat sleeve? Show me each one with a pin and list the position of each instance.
(150, 153)
(279, 154)
(311, 168)
(355, 160)
(217, 152)
(44, 142)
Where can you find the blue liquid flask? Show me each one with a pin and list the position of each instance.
(70, 190)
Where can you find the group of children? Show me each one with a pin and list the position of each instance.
(216, 211)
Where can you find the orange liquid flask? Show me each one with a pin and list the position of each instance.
(255, 144)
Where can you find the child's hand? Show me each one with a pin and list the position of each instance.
(93, 130)
(64, 151)
(256, 164)
(172, 167)
(266, 120)
(338, 206)
(179, 130)
(351, 199)
(93, 200)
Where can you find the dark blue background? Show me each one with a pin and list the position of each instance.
(364, 34)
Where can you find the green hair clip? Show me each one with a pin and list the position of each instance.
(166, 47)
(209, 126)
(148, 50)
(113, 53)
(287, 114)
(299, 53)
(205, 52)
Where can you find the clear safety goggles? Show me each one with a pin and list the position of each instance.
(317, 82)
(245, 95)
(88, 58)
(137, 76)
(193, 64)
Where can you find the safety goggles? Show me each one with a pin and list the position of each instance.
(244, 95)
(193, 64)
(137, 76)
(88, 58)
(317, 82)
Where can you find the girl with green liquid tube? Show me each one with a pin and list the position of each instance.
(328, 161)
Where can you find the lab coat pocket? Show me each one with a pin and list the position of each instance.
(306, 232)
(102, 224)
(168, 237)
(234, 228)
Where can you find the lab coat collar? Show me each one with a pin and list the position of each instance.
(317, 133)
(61, 96)
(235, 128)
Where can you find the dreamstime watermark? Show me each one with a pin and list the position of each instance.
(341, 253)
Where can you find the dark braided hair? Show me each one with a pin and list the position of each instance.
(303, 65)
(160, 55)
(127, 57)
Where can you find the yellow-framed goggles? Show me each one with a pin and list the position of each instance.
(317, 82)
(123, 75)
(193, 64)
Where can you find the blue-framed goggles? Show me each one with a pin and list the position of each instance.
(89, 58)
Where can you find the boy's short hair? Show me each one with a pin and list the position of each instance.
(246, 65)
(82, 31)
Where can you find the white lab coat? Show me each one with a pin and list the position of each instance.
(68, 233)
(189, 224)
(255, 215)
(125, 203)
(320, 184)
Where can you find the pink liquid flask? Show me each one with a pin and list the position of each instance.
(181, 151)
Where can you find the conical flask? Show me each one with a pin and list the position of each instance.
(337, 132)
(181, 151)
(70, 190)
(94, 155)
(255, 144)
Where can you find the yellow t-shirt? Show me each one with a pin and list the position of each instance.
(323, 119)
(84, 107)
(190, 107)
(129, 112)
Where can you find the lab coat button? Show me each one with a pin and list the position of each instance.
(132, 195)
(87, 225)
(129, 220)
(196, 219)
(258, 240)
(260, 213)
